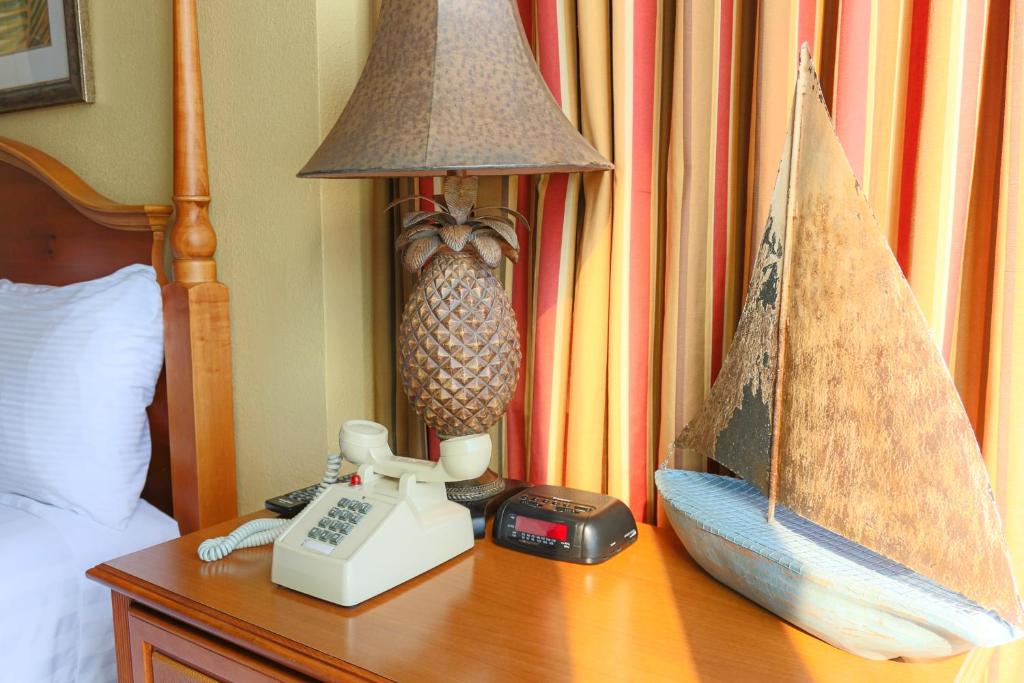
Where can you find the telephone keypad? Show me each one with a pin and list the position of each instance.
(339, 522)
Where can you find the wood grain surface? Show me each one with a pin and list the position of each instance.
(494, 614)
(197, 330)
(165, 651)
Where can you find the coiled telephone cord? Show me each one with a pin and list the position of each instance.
(263, 531)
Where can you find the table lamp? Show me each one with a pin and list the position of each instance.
(451, 89)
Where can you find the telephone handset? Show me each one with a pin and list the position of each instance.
(389, 524)
(366, 443)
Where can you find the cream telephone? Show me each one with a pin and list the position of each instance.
(390, 523)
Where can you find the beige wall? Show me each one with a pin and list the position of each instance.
(294, 253)
(344, 36)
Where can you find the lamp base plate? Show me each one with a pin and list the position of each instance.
(482, 496)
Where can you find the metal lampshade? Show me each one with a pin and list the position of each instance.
(451, 85)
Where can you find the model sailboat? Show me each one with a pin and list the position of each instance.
(864, 514)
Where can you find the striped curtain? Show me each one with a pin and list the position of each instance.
(632, 281)
(586, 411)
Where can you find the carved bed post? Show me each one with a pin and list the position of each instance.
(196, 324)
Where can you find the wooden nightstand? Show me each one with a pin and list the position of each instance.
(490, 615)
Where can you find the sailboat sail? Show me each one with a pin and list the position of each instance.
(834, 384)
(734, 426)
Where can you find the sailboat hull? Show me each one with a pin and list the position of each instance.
(827, 585)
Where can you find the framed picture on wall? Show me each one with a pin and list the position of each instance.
(44, 56)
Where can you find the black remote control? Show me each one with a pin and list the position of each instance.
(290, 504)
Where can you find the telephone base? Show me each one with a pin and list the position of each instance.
(391, 523)
(399, 536)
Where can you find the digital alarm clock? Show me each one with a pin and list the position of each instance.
(564, 524)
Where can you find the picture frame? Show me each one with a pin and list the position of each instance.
(44, 54)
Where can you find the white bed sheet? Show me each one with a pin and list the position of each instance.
(55, 624)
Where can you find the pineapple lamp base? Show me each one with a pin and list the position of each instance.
(458, 343)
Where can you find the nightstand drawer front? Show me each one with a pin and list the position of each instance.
(165, 651)
(167, 670)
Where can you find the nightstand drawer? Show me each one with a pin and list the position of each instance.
(165, 651)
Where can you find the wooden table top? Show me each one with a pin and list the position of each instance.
(495, 614)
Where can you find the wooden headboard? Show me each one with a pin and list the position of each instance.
(55, 229)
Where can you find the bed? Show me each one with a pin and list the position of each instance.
(56, 230)
(57, 624)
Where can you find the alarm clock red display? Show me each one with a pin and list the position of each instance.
(538, 527)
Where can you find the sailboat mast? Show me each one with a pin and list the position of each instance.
(789, 237)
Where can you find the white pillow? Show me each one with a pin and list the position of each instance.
(78, 366)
